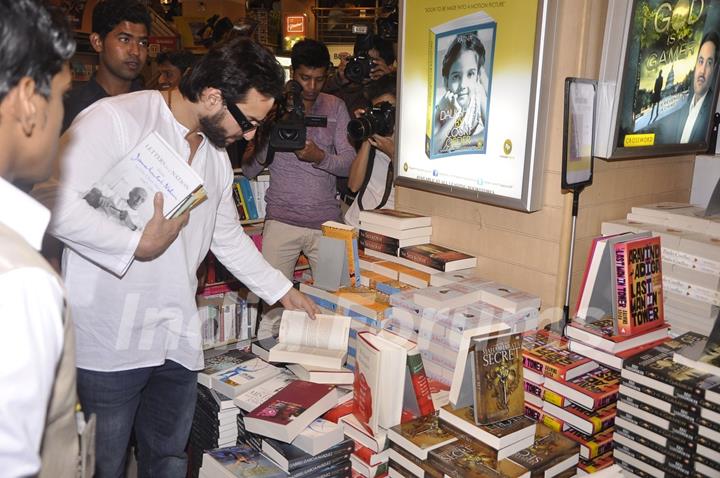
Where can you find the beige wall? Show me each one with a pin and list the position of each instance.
(530, 251)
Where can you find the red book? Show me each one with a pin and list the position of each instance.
(600, 334)
(438, 257)
(555, 360)
(592, 446)
(287, 413)
(592, 390)
(587, 422)
(339, 411)
(638, 291)
(420, 385)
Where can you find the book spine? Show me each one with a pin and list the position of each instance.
(420, 384)
(430, 94)
(554, 398)
(238, 202)
(245, 215)
(322, 458)
(248, 197)
(422, 259)
(381, 238)
(553, 423)
(621, 290)
(379, 246)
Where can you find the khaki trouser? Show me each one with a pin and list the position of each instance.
(283, 243)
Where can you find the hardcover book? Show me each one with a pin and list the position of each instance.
(596, 464)
(438, 257)
(587, 422)
(639, 290)
(458, 101)
(592, 446)
(498, 435)
(601, 334)
(554, 360)
(217, 363)
(592, 390)
(291, 410)
(240, 378)
(258, 394)
(498, 378)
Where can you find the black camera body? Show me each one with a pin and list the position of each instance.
(379, 119)
(358, 67)
(290, 131)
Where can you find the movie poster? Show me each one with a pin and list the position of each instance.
(469, 106)
(669, 82)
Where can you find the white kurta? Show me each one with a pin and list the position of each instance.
(149, 314)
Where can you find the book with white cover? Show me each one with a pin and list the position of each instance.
(395, 219)
(445, 278)
(322, 342)
(456, 294)
(399, 234)
(507, 298)
(245, 376)
(319, 436)
(251, 399)
(311, 373)
(125, 192)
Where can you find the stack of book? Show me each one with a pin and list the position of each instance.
(571, 394)
(388, 230)
(667, 422)
(691, 260)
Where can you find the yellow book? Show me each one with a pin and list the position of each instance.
(348, 234)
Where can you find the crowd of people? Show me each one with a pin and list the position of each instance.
(120, 334)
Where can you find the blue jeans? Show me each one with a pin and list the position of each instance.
(157, 402)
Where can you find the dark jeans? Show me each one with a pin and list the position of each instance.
(157, 402)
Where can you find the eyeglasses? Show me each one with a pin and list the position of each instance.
(245, 124)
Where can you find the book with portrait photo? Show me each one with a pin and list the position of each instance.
(459, 81)
(125, 193)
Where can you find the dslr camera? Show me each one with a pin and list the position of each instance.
(289, 132)
(387, 24)
(358, 67)
(379, 119)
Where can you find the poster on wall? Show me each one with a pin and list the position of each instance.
(471, 122)
(666, 91)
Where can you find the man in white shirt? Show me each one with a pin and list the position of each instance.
(692, 118)
(372, 180)
(138, 333)
(38, 433)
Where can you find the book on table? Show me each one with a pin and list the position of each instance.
(321, 342)
(550, 454)
(243, 376)
(319, 436)
(420, 435)
(254, 397)
(600, 335)
(592, 390)
(217, 360)
(311, 373)
(703, 355)
(394, 219)
(349, 235)
(290, 458)
(287, 413)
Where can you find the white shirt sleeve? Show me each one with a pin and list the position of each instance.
(238, 253)
(87, 152)
(31, 341)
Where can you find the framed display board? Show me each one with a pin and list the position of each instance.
(658, 82)
(578, 129)
(472, 119)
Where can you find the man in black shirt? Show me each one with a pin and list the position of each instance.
(120, 30)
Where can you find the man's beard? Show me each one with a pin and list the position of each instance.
(211, 126)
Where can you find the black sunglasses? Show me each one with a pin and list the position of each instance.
(241, 119)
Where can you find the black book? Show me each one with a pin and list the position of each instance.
(635, 471)
(708, 442)
(291, 458)
(669, 467)
(676, 419)
(670, 403)
(327, 469)
(672, 433)
(677, 450)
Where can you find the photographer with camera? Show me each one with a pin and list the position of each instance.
(371, 173)
(302, 182)
(373, 57)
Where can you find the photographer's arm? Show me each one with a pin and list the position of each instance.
(255, 165)
(358, 167)
(338, 164)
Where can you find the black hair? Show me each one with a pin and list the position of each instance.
(385, 85)
(310, 53)
(108, 14)
(234, 67)
(372, 41)
(463, 42)
(35, 42)
(181, 59)
(713, 37)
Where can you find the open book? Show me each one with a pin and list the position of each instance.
(125, 193)
(322, 342)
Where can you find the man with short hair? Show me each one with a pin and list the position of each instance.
(132, 293)
(120, 30)
(38, 431)
(302, 183)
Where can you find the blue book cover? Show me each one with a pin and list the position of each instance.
(244, 461)
(460, 79)
(248, 197)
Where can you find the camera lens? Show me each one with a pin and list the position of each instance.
(360, 129)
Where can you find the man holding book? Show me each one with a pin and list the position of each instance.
(132, 293)
(38, 431)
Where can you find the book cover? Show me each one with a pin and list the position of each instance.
(384, 247)
(473, 459)
(592, 446)
(418, 392)
(555, 360)
(291, 458)
(248, 197)
(239, 204)
(240, 378)
(438, 257)
(218, 363)
(705, 354)
(549, 449)
(459, 82)
(243, 461)
(498, 378)
(589, 422)
(336, 230)
(597, 463)
(420, 435)
(254, 397)
(288, 404)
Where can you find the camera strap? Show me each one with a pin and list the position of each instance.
(368, 174)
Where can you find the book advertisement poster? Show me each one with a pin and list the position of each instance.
(669, 84)
(471, 70)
